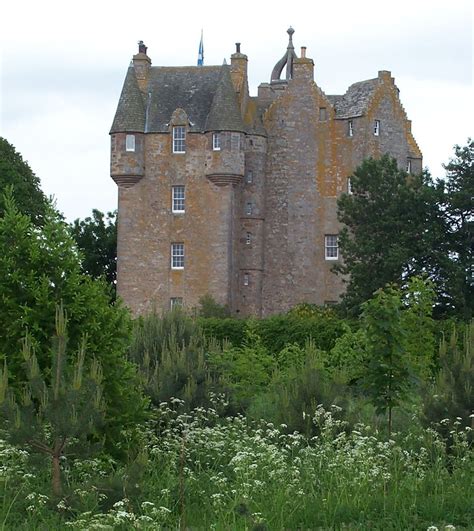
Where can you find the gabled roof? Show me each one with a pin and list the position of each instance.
(130, 114)
(224, 114)
(355, 101)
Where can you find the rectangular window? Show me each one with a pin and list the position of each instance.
(349, 186)
(235, 141)
(177, 199)
(331, 247)
(248, 208)
(179, 139)
(246, 279)
(323, 115)
(177, 256)
(377, 127)
(350, 128)
(216, 141)
(248, 238)
(249, 177)
(408, 165)
(176, 302)
(130, 143)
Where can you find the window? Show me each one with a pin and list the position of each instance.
(323, 115)
(216, 141)
(350, 128)
(331, 248)
(377, 127)
(248, 238)
(177, 199)
(249, 177)
(130, 143)
(235, 141)
(408, 165)
(246, 279)
(248, 208)
(179, 139)
(177, 256)
(176, 302)
(349, 186)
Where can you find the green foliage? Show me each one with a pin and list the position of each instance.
(54, 414)
(386, 372)
(393, 230)
(96, 238)
(231, 330)
(450, 398)
(16, 173)
(39, 270)
(208, 307)
(457, 208)
(243, 371)
(348, 357)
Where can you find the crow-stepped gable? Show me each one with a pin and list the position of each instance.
(233, 195)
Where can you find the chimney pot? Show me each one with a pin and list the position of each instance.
(141, 47)
(303, 52)
(237, 47)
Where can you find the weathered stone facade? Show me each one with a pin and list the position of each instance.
(260, 177)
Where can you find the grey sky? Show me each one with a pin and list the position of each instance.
(62, 67)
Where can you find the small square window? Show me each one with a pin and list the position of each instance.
(249, 177)
(331, 247)
(323, 114)
(246, 279)
(377, 127)
(179, 139)
(177, 199)
(176, 302)
(248, 208)
(177, 256)
(350, 128)
(216, 141)
(130, 143)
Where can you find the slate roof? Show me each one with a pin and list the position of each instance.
(130, 114)
(356, 100)
(205, 93)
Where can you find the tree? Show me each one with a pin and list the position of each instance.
(386, 371)
(96, 237)
(58, 413)
(392, 222)
(40, 269)
(15, 172)
(459, 213)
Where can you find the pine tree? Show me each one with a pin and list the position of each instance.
(57, 413)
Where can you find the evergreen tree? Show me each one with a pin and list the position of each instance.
(57, 413)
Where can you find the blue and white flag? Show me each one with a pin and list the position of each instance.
(201, 52)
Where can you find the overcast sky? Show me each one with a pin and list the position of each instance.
(63, 63)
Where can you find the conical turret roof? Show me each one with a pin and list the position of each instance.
(130, 114)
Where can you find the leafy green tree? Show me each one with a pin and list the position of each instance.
(208, 307)
(15, 172)
(386, 372)
(96, 237)
(458, 210)
(40, 269)
(57, 413)
(393, 230)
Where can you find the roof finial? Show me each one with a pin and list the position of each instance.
(287, 60)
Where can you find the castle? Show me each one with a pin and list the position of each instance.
(233, 195)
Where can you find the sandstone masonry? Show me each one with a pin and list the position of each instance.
(226, 194)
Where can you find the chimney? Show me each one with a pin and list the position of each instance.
(142, 64)
(238, 72)
(303, 67)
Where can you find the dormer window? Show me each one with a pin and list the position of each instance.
(130, 143)
(350, 128)
(377, 127)
(179, 139)
(216, 141)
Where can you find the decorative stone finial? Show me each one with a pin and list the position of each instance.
(141, 47)
(287, 60)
